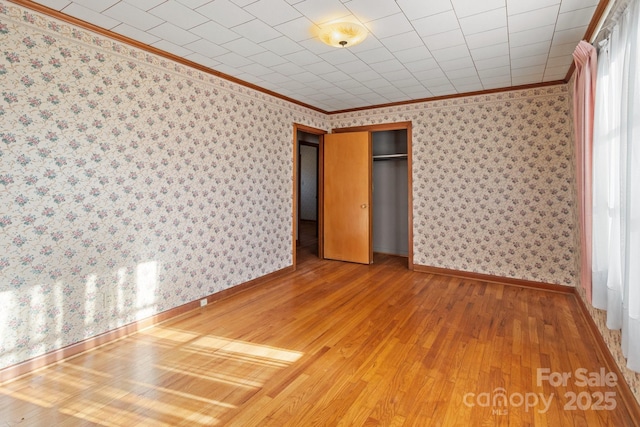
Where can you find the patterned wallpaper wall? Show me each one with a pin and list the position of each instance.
(492, 182)
(129, 184)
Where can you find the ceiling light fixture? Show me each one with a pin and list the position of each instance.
(343, 34)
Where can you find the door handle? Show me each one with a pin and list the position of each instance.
(363, 206)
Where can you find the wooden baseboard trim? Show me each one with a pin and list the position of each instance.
(627, 396)
(12, 372)
(494, 279)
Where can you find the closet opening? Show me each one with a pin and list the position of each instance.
(390, 192)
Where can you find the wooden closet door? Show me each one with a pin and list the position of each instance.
(347, 197)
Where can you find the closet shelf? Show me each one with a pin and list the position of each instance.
(389, 156)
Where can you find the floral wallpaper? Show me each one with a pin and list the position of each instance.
(492, 182)
(129, 184)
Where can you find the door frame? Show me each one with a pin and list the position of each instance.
(395, 126)
(294, 207)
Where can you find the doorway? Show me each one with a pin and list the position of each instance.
(307, 190)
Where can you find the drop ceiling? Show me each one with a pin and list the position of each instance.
(415, 49)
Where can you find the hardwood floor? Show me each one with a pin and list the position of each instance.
(337, 344)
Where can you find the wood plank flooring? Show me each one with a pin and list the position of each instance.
(337, 344)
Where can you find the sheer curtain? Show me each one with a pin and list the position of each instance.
(616, 181)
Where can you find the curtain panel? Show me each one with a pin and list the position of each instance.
(585, 59)
(616, 181)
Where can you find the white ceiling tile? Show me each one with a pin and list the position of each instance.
(171, 48)
(389, 26)
(473, 7)
(135, 34)
(321, 68)
(142, 4)
(281, 46)
(289, 69)
(444, 40)
(214, 32)
(555, 71)
(368, 44)
(440, 23)
(335, 77)
(447, 89)
(90, 15)
(243, 3)
(173, 34)
(422, 65)
(456, 64)
(498, 61)
(577, 18)
(461, 73)
(533, 19)
(568, 5)
(367, 10)
(268, 59)
(206, 48)
(224, 12)
(428, 77)
(496, 18)
(560, 61)
(255, 69)
(451, 53)
(496, 82)
(491, 51)
(96, 6)
(193, 4)
(415, 9)
(322, 11)
(402, 41)
(515, 7)
(355, 67)
(500, 71)
(303, 57)
(244, 47)
(273, 12)
(392, 65)
(233, 60)
(573, 35)
(529, 61)
(406, 82)
(374, 56)
(539, 35)
(531, 50)
(178, 14)
(487, 38)
(298, 29)
(565, 49)
(528, 71)
(526, 80)
(315, 46)
(462, 87)
(338, 56)
(54, 4)
(133, 16)
(417, 92)
(419, 53)
(256, 31)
